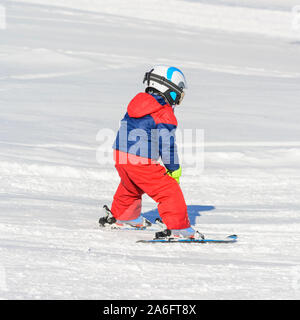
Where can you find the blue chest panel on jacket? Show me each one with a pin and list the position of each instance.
(143, 137)
(134, 136)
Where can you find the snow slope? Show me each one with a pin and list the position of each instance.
(228, 15)
(68, 69)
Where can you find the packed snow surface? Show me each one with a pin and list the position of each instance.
(68, 69)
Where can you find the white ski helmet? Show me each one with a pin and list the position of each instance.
(167, 81)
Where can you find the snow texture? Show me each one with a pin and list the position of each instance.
(69, 68)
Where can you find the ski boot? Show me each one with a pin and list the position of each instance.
(141, 223)
(108, 220)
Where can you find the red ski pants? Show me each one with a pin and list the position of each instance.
(151, 178)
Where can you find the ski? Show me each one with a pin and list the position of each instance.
(228, 239)
(123, 228)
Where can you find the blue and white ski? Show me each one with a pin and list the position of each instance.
(229, 239)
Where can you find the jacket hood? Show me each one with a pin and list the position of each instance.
(143, 104)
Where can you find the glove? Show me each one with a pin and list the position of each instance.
(176, 174)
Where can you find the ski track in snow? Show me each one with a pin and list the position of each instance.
(58, 88)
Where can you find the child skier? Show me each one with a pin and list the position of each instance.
(147, 133)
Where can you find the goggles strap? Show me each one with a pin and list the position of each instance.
(166, 82)
(162, 80)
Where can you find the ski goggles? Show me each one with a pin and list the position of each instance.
(170, 85)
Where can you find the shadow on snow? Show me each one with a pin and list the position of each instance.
(193, 212)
